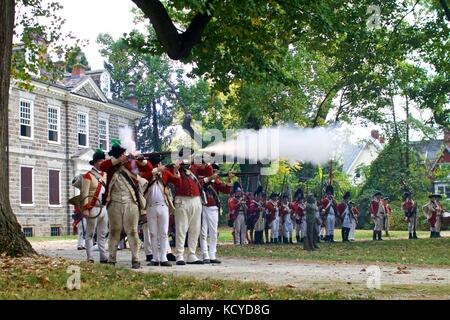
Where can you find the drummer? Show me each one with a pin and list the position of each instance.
(434, 211)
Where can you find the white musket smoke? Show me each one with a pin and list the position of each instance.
(312, 145)
(126, 139)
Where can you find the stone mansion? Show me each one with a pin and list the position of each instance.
(53, 132)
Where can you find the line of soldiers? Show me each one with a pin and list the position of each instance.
(120, 192)
(252, 216)
(381, 214)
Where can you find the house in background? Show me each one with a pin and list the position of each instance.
(436, 154)
(53, 132)
(361, 154)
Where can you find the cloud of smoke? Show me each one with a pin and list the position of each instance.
(312, 145)
(126, 139)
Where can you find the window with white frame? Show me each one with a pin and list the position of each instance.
(103, 134)
(53, 124)
(26, 118)
(82, 129)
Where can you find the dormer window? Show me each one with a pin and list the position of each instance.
(105, 84)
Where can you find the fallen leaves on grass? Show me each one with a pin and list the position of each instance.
(402, 270)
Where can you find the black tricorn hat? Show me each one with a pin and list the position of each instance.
(258, 191)
(435, 195)
(406, 194)
(377, 193)
(347, 195)
(237, 187)
(155, 160)
(273, 195)
(98, 155)
(387, 198)
(329, 189)
(299, 194)
(215, 166)
(284, 195)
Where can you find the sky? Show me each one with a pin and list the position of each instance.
(86, 19)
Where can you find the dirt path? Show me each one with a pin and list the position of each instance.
(302, 275)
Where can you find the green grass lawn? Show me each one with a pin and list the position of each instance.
(45, 278)
(433, 252)
(48, 238)
(225, 235)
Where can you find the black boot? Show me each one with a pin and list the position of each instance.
(438, 234)
(285, 240)
(379, 235)
(332, 238)
(297, 238)
(302, 239)
(410, 236)
(279, 239)
(290, 240)
(374, 235)
(431, 234)
(415, 235)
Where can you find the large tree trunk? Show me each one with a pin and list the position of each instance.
(12, 240)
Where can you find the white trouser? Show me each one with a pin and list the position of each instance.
(330, 224)
(288, 228)
(274, 228)
(210, 220)
(158, 218)
(147, 240)
(303, 228)
(101, 224)
(81, 227)
(188, 214)
(240, 229)
(378, 223)
(351, 234)
(412, 223)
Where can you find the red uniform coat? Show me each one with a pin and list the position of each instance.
(188, 187)
(374, 206)
(166, 177)
(218, 186)
(271, 214)
(284, 211)
(341, 209)
(232, 206)
(298, 211)
(325, 202)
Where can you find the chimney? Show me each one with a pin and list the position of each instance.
(132, 99)
(375, 134)
(78, 70)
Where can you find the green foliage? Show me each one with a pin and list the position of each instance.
(389, 175)
(76, 56)
(41, 42)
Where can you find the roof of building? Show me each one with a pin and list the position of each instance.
(350, 154)
(70, 82)
(428, 148)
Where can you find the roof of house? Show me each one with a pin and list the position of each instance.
(70, 83)
(428, 148)
(350, 154)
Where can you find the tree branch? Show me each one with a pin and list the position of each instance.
(177, 45)
(446, 9)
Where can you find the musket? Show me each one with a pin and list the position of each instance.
(238, 174)
(153, 155)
